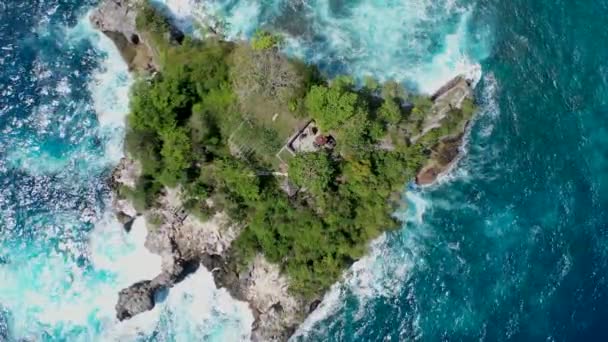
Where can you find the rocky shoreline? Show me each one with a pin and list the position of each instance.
(116, 19)
(446, 153)
(184, 242)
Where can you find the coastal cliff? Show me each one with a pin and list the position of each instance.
(187, 238)
(184, 242)
(116, 19)
(445, 152)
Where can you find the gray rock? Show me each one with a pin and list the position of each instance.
(117, 20)
(136, 299)
(117, 16)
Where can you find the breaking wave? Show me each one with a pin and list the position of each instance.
(64, 256)
(381, 275)
(421, 43)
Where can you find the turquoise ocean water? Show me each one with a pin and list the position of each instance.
(511, 245)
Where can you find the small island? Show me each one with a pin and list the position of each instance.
(254, 165)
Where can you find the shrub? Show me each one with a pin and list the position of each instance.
(264, 40)
(151, 20)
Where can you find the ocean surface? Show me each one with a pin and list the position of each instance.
(511, 245)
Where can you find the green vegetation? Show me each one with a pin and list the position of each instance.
(331, 106)
(264, 40)
(151, 20)
(215, 117)
(312, 171)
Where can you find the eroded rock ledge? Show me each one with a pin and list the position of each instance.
(446, 152)
(184, 242)
(116, 19)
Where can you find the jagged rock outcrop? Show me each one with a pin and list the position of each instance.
(135, 299)
(117, 16)
(443, 157)
(116, 19)
(277, 312)
(125, 174)
(184, 242)
(140, 297)
(445, 153)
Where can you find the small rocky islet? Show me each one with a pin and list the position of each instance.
(295, 135)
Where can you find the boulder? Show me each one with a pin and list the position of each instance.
(136, 299)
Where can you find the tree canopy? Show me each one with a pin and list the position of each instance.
(313, 171)
(331, 106)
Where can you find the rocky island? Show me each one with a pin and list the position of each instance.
(255, 166)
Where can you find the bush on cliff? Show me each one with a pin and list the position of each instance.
(264, 40)
(151, 20)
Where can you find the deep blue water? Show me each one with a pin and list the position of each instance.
(512, 245)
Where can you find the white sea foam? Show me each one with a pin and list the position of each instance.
(388, 42)
(452, 61)
(71, 298)
(490, 108)
(109, 86)
(54, 290)
(194, 310)
(185, 14)
(108, 243)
